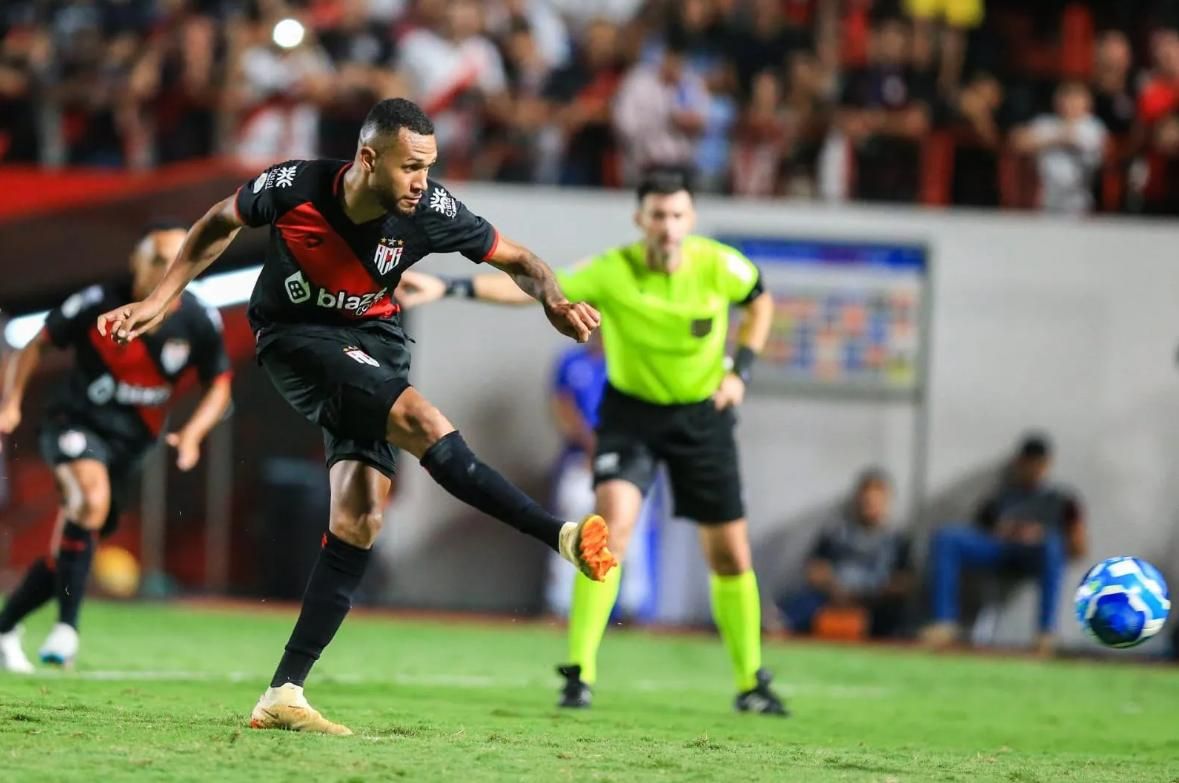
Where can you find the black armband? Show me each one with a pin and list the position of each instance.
(462, 287)
(743, 363)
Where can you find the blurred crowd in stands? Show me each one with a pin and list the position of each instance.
(1062, 105)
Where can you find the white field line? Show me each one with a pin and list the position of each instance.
(788, 688)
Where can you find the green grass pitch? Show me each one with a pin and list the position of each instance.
(163, 693)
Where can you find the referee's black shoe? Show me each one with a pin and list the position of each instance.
(761, 698)
(575, 693)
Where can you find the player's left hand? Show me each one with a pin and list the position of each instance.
(188, 449)
(731, 392)
(573, 319)
(126, 323)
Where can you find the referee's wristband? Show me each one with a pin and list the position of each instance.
(743, 363)
(462, 287)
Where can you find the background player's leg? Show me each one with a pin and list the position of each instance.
(418, 427)
(620, 502)
(736, 605)
(357, 503)
(87, 492)
(36, 588)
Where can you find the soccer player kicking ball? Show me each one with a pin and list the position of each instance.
(665, 308)
(100, 424)
(329, 336)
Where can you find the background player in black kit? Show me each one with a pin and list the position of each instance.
(102, 421)
(329, 336)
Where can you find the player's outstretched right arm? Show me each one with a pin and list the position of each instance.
(17, 371)
(206, 241)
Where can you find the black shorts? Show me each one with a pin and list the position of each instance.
(345, 380)
(695, 441)
(63, 439)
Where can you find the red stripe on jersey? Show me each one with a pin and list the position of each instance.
(236, 211)
(339, 176)
(494, 246)
(328, 261)
(131, 364)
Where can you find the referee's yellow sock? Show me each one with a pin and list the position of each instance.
(588, 615)
(736, 608)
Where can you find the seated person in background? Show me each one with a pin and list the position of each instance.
(858, 562)
(1029, 527)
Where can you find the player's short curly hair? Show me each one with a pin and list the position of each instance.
(391, 115)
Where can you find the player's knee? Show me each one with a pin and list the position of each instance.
(91, 506)
(728, 563)
(619, 539)
(358, 528)
(417, 426)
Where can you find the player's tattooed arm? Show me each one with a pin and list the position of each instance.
(206, 241)
(534, 277)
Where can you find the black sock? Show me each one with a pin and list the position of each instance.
(73, 568)
(328, 598)
(453, 465)
(34, 590)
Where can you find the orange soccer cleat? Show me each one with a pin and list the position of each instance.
(584, 545)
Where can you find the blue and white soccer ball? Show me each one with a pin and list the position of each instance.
(1122, 601)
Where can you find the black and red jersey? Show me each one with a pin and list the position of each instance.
(321, 268)
(123, 390)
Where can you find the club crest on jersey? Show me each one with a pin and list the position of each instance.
(388, 254)
(174, 355)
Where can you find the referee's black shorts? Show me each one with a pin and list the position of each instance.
(345, 380)
(695, 441)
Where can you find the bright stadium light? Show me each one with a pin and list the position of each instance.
(288, 33)
(223, 290)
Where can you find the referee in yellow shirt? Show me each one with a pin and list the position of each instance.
(665, 303)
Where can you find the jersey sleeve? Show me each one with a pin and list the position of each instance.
(739, 278)
(209, 356)
(452, 228)
(71, 320)
(584, 282)
(259, 201)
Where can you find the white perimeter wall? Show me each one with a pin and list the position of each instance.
(1067, 326)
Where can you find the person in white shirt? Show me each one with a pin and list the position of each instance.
(454, 72)
(660, 113)
(1069, 146)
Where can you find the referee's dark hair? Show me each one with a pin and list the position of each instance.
(664, 181)
(391, 115)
